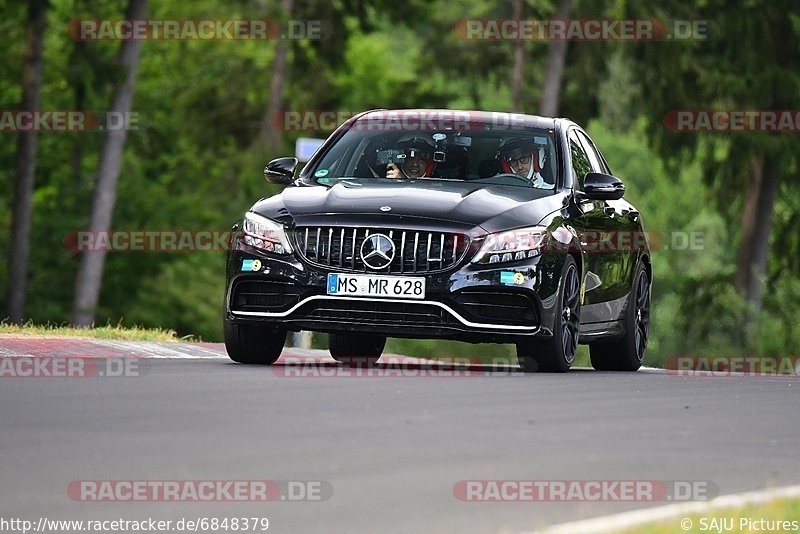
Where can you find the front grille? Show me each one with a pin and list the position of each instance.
(264, 295)
(415, 251)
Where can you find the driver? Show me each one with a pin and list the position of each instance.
(417, 162)
(523, 158)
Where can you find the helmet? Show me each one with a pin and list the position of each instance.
(517, 146)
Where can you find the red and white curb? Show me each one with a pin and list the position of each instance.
(660, 514)
(59, 347)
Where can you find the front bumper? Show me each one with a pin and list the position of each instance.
(466, 303)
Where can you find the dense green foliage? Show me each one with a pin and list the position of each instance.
(195, 162)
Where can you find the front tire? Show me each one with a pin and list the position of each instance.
(356, 350)
(253, 344)
(556, 354)
(627, 354)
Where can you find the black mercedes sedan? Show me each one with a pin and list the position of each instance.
(474, 226)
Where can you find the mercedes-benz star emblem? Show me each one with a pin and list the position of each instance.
(377, 251)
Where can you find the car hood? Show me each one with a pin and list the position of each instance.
(462, 204)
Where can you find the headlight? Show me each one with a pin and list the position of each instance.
(512, 245)
(265, 234)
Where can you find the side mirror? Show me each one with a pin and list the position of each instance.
(280, 171)
(599, 186)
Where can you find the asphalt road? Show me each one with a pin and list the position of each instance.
(391, 448)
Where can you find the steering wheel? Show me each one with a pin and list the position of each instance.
(511, 175)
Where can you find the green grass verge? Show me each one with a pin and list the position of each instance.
(107, 331)
(770, 513)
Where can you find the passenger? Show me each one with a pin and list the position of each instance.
(418, 161)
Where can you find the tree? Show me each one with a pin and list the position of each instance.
(277, 81)
(519, 59)
(749, 62)
(26, 164)
(554, 72)
(90, 273)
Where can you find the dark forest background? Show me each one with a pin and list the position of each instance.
(204, 135)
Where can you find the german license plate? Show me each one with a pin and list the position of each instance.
(366, 285)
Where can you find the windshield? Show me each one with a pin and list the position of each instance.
(524, 157)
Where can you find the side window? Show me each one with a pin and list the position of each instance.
(580, 162)
(602, 158)
(598, 165)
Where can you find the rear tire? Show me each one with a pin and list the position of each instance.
(253, 344)
(356, 350)
(555, 355)
(627, 353)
